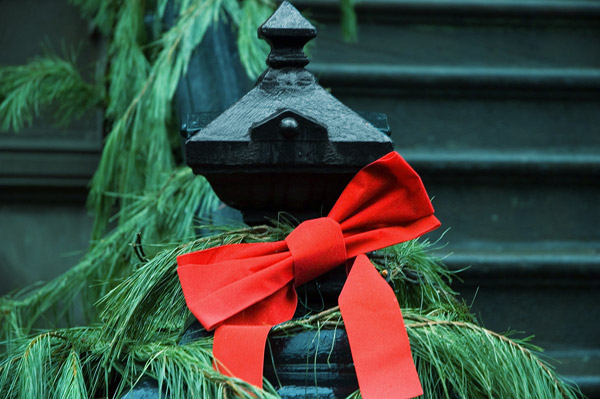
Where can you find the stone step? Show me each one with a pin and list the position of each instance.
(534, 33)
(444, 117)
(550, 295)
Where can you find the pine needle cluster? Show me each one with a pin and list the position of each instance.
(26, 89)
(167, 215)
(144, 318)
(138, 147)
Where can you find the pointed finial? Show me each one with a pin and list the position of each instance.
(287, 31)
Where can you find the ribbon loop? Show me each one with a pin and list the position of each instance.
(316, 246)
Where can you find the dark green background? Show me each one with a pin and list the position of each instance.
(496, 103)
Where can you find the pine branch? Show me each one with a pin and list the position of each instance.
(466, 360)
(169, 214)
(253, 51)
(348, 21)
(419, 279)
(26, 89)
(137, 149)
(128, 64)
(443, 348)
(70, 363)
(102, 13)
(150, 304)
(461, 359)
(521, 347)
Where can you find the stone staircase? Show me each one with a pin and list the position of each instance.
(496, 103)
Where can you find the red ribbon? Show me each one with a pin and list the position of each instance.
(242, 290)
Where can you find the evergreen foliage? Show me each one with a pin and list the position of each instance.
(348, 20)
(145, 317)
(167, 215)
(138, 147)
(252, 50)
(101, 13)
(26, 89)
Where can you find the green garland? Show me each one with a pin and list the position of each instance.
(145, 316)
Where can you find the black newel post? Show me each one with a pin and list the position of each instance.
(288, 145)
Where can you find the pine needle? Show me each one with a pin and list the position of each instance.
(253, 51)
(102, 13)
(348, 21)
(26, 89)
(70, 383)
(152, 294)
(471, 361)
(418, 278)
(137, 150)
(128, 67)
(458, 359)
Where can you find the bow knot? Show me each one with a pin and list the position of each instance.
(316, 246)
(241, 290)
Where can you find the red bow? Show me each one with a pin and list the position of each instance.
(242, 290)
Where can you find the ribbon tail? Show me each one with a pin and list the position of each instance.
(239, 352)
(377, 335)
